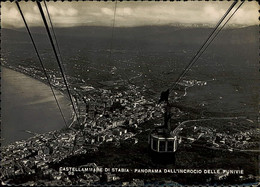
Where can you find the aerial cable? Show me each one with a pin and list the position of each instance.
(57, 58)
(112, 39)
(55, 38)
(198, 52)
(113, 30)
(220, 30)
(43, 68)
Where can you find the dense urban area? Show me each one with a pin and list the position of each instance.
(111, 117)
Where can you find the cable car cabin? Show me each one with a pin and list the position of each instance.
(162, 145)
(161, 142)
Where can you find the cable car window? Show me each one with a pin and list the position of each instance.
(170, 146)
(162, 146)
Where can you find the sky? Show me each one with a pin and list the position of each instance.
(129, 14)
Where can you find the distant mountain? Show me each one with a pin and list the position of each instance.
(78, 41)
(164, 36)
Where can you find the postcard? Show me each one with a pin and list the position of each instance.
(130, 93)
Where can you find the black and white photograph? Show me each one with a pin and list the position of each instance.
(130, 93)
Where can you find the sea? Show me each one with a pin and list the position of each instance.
(28, 107)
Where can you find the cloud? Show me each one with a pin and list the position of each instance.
(211, 12)
(10, 16)
(107, 11)
(129, 14)
(245, 16)
(56, 11)
(124, 11)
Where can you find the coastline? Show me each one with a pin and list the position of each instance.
(70, 117)
(40, 80)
